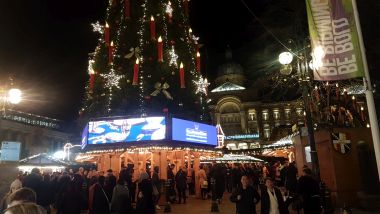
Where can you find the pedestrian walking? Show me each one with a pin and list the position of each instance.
(245, 197)
(180, 179)
(272, 201)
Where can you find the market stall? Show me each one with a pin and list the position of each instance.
(44, 162)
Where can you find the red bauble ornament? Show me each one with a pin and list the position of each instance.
(147, 97)
(172, 42)
(166, 110)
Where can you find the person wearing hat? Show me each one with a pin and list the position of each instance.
(34, 182)
(15, 185)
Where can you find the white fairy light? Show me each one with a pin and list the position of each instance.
(112, 79)
(173, 57)
(202, 85)
(169, 9)
(91, 66)
(195, 39)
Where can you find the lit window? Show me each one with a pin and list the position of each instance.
(252, 114)
(265, 115)
(276, 114)
(299, 112)
(287, 113)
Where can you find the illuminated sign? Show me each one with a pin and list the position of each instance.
(194, 132)
(126, 130)
(243, 136)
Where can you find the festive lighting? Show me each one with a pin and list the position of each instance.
(112, 79)
(285, 58)
(202, 85)
(90, 66)
(14, 96)
(173, 57)
(97, 27)
(59, 155)
(228, 86)
(169, 9)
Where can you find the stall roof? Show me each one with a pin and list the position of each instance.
(42, 159)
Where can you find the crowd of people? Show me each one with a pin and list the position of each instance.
(276, 187)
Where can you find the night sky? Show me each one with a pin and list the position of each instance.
(44, 44)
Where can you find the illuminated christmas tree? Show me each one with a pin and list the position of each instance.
(147, 62)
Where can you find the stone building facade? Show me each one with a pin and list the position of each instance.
(245, 119)
(36, 133)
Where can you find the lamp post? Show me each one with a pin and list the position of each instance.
(304, 78)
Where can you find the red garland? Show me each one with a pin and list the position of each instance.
(127, 9)
(136, 73)
(182, 76)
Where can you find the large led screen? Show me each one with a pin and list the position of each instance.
(126, 130)
(84, 136)
(189, 131)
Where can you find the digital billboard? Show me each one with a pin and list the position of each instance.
(10, 151)
(84, 136)
(194, 132)
(126, 130)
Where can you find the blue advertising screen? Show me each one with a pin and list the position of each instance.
(84, 136)
(10, 151)
(126, 130)
(194, 132)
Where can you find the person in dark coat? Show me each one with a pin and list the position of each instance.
(220, 181)
(71, 198)
(121, 201)
(291, 178)
(156, 184)
(308, 188)
(145, 202)
(34, 182)
(284, 173)
(272, 201)
(46, 196)
(235, 176)
(171, 179)
(98, 199)
(180, 180)
(110, 184)
(245, 197)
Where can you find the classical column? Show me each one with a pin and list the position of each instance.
(217, 117)
(243, 121)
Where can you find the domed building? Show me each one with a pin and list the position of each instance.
(244, 118)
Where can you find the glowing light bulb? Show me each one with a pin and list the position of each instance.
(159, 39)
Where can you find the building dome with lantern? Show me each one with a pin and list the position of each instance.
(230, 71)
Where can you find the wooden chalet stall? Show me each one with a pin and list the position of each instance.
(143, 143)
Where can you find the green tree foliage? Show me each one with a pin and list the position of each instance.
(131, 34)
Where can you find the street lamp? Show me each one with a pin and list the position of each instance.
(302, 64)
(11, 96)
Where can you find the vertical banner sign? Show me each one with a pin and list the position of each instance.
(332, 26)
